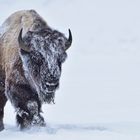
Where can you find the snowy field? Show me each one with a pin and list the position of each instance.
(99, 95)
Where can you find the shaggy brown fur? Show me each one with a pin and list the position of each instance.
(11, 68)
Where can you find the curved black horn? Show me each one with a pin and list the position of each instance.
(21, 42)
(69, 41)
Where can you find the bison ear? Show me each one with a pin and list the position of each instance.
(69, 40)
(22, 43)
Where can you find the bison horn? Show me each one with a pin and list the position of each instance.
(69, 41)
(21, 43)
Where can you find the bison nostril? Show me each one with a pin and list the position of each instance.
(52, 80)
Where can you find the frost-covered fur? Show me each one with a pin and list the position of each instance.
(29, 78)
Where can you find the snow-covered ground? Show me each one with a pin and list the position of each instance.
(99, 95)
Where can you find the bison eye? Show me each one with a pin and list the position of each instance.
(60, 41)
(37, 58)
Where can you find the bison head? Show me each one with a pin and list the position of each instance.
(42, 53)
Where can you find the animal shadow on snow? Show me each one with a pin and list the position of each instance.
(55, 128)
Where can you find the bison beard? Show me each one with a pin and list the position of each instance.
(31, 57)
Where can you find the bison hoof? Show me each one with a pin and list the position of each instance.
(38, 120)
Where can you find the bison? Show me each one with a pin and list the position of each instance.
(31, 57)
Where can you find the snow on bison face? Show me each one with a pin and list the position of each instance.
(42, 53)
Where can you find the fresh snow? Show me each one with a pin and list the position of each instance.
(99, 94)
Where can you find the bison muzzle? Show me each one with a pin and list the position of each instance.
(31, 57)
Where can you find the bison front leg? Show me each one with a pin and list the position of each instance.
(27, 104)
(28, 115)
